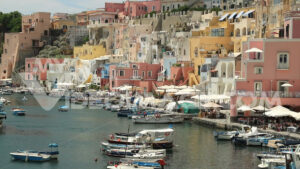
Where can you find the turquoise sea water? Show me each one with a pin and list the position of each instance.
(79, 133)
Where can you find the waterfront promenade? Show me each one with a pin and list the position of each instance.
(223, 124)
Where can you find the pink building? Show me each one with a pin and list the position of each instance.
(263, 74)
(36, 68)
(17, 46)
(138, 8)
(114, 7)
(138, 74)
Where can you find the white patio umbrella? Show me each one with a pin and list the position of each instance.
(181, 87)
(211, 105)
(244, 108)
(254, 50)
(171, 90)
(160, 90)
(184, 93)
(166, 87)
(279, 111)
(287, 85)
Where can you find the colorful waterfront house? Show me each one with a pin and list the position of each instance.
(136, 74)
(213, 41)
(36, 68)
(82, 18)
(167, 63)
(102, 18)
(270, 76)
(18, 46)
(88, 52)
(139, 8)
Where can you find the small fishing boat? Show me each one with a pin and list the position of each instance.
(30, 156)
(63, 108)
(115, 108)
(259, 139)
(137, 153)
(266, 163)
(2, 115)
(158, 119)
(225, 135)
(18, 111)
(105, 146)
(241, 139)
(124, 113)
(157, 138)
(140, 164)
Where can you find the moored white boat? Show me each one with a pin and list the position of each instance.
(30, 156)
(158, 119)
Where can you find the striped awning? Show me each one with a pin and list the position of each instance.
(240, 14)
(249, 12)
(232, 15)
(223, 17)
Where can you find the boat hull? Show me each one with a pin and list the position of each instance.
(157, 120)
(30, 157)
(157, 145)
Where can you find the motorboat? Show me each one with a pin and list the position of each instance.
(156, 138)
(105, 146)
(241, 139)
(18, 111)
(137, 153)
(63, 108)
(259, 140)
(226, 135)
(115, 108)
(30, 156)
(140, 164)
(158, 119)
(268, 162)
(124, 113)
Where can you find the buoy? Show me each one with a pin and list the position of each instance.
(96, 159)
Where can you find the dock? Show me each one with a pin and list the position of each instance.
(223, 124)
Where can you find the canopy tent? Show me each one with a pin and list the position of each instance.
(260, 108)
(188, 108)
(296, 116)
(244, 108)
(211, 105)
(81, 86)
(160, 90)
(181, 87)
(166, 87)
(212, 98)
(172, 105)
(279, 111)
(65, 84)
(171, 90)
(254, 50)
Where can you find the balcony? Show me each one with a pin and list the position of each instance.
(136, 78)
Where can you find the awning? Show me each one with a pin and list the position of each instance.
(223, 17)
(232, 15)
(234, 54)
(254, 50)
(249, 12)
(240, 14)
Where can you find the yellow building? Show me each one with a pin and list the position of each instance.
(213, 41)
(88, 52)
(63, 24)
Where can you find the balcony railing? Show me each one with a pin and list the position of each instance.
(273, 94)
(136, 78)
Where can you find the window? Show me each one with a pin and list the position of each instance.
(5, 50)
(143, 74)
(28, 77)
(184, 52)
(196, 52)
(149, 73)
(135, 73)
(217, 32)
(48, 66)
(28, 66)
(199, 70)
(153, 8)
(113, 73)
(134, 66)
(283, 61)
(258, 70)
(257, 88)
(122, 73)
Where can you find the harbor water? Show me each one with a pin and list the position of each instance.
(80, 131)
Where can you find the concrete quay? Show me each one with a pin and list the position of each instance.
(223, 124)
